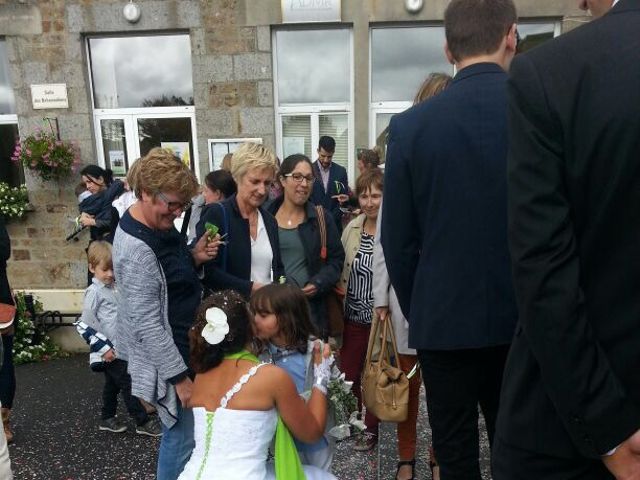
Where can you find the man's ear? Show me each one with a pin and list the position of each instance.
(512, 38)
(448, 54)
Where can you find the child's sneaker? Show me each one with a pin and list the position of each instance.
(151, 427)
(112, 425)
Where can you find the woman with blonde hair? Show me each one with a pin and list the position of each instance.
(159, 294)
(432, 85)
(250, 256)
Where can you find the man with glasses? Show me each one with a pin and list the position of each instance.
(331, 189)
(570, 405)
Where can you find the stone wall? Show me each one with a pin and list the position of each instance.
(233, 87)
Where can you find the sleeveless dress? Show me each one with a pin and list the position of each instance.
(234, 444)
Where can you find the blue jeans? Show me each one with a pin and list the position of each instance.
(176, 446)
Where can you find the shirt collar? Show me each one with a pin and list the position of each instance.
(614, 3)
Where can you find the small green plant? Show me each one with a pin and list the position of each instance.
(13, 201)
(50, 158)
(30, 345)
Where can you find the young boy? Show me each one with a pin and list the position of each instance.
(98, 327)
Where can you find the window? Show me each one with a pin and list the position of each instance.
(533, 34)
(143, 98)
(401, 58)
(136, 72)
(314, 93)
(10, 172)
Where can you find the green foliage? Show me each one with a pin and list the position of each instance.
(25, 348)
(13, 201)
(50, 158)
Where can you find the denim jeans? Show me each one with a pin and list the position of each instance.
(176, 446)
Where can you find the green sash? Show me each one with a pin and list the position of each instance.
(287, 460)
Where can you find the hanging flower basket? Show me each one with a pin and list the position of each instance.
(48, 157)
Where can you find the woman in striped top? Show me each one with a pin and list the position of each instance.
(357, 280)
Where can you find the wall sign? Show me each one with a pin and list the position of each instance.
(219, 147)
(302, 11)
(51, 95)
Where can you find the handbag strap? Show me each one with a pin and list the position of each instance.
(322, 225)
(392, 338)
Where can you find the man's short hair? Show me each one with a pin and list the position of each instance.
(327, 143)
(476, 27)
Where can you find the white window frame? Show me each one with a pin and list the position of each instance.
(131, 115)
(388, 106)
(376, 108)
(315, 110)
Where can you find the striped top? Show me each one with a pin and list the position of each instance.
(359, 298)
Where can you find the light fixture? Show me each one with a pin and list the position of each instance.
(131, 12)
(413, 6)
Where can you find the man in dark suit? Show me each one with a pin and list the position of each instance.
(444, 231)
(570, 406)
(331, 188)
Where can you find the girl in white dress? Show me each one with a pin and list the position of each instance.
(238, 403)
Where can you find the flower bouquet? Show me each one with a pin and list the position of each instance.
(344, 407)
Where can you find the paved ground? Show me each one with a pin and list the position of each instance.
(55, 420)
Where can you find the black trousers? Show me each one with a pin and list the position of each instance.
(117, 380)
(456, 382)
(512, 463)
(7, 373)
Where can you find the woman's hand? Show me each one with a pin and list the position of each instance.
(341, 197)
(87, 220)
(383, 313)
(310, 290)
(320, 352)
(205, 249)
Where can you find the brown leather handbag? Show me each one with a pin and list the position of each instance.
(385, 388)
(334, 300)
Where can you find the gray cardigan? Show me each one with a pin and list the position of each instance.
(144, 334)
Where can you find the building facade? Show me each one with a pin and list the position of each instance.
(201, 76)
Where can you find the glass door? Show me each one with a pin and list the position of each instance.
(123, 138)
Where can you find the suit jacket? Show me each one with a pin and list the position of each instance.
(571, 385)
(338, 183)
(444, 221)
(231, 269)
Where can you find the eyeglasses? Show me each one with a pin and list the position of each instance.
(173, 206)
(298, 177)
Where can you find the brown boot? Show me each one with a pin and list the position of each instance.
(5, 423)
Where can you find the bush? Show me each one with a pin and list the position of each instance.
(30, 345)
(50, 158)
(13, 201)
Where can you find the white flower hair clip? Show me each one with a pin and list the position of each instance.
(217, 326)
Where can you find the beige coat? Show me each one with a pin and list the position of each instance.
(385, 296)
(351, 243)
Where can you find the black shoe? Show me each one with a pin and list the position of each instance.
(402, 463)
(112, 425)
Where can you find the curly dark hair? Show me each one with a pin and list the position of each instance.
(203, 355)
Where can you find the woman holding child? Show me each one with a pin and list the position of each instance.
(308, 267)
(159, 294)
(239, 403)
